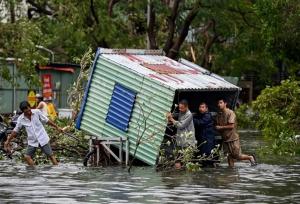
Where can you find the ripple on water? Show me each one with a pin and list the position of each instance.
(72, 183)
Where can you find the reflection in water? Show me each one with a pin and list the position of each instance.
(72, 183)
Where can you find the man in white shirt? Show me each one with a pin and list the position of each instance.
(37, 136)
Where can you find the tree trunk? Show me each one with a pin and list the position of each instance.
(151, 28)
(173, 52)
(171, 26)
(12, 11)
(210, 40)
(94, 14)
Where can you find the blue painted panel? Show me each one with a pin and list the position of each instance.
(120, 108)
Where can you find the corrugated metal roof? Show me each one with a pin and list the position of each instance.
(179, 75)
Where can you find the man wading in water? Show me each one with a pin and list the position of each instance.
(226, 125)
(33, 121)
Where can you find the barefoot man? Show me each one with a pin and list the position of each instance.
(37, 136)
(226, 125)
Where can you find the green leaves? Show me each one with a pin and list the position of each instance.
(19, 40)
(246, 117)
(248, 36)
(280, 27)
(278, 108)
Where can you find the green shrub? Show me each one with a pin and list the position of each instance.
(279, 117)
(246, 117)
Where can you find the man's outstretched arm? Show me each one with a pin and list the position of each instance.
(51, 123)
(8, 140)
(225, 127)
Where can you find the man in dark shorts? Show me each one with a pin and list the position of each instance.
(226, 125)
(37, 136)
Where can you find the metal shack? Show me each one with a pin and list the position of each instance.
(129, 92)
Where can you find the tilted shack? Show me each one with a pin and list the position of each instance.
(129, 92)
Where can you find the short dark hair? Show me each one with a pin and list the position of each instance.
(184, 102)
(222, 99)
(24, 105)
(203, 103)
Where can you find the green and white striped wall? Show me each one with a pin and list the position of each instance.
(153, 98)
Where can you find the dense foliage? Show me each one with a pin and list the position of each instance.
(279, 118)
(246, 117)
(240, 38)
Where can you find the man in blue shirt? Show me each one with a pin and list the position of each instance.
(204, 132)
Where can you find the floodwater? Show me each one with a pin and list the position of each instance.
(272, 181)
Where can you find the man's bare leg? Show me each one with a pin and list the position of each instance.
(53, 160)
(230, 161)
(29, 160)
(247, 157)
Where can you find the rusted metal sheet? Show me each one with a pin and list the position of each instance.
(180, 75)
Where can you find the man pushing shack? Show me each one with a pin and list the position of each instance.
(37, 136)
(185, 134)
(226, 125)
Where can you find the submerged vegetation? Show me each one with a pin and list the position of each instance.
(189, 156)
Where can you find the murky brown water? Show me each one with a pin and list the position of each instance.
(278, 182)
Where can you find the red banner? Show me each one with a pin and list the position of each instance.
(47, 85)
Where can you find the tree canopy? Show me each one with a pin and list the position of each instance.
(256, 38)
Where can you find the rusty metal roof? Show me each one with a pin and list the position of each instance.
(178, 75)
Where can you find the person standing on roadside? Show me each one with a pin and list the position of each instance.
(41, 105)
